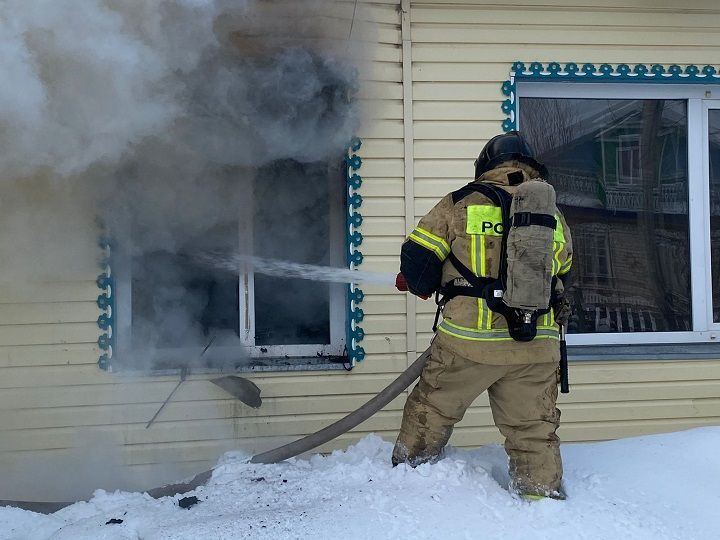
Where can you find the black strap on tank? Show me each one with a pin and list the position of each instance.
(525, 219)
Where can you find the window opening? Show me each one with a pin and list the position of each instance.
(171, 304)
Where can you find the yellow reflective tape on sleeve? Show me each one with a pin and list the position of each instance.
(557, 264)
(430, 241)
(565, 268)
(559, 235)
(484, 219)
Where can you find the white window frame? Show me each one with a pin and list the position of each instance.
(245, 346)
(699, 101)
(634, 148)
(708, 104)
(599, 238)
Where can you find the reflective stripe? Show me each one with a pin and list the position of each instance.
(483, 270)
(477, 254)
(484, 319)
(559, 235)
(529, 497)
(471, 334)
(565, 268)
(557, 264)
(473, 253)
(484, 219)
(430, 241)
(558, 244)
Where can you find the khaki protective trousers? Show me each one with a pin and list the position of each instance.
(522, 400)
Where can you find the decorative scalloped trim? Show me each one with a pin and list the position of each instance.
(572, 72)
(353, 240)
(106, 303)
(354, 258)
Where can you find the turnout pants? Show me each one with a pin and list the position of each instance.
(522, 400)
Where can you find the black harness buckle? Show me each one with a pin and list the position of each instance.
(522, 219)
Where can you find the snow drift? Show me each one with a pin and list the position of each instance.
(661, 486)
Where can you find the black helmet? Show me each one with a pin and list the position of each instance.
(507, 147)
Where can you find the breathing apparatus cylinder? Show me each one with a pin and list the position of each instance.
(530, 247)
(529, 256)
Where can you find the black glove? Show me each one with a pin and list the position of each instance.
(562, 310)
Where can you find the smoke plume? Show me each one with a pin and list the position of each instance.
(158, 121)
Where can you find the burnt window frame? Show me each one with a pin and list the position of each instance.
(116, 322)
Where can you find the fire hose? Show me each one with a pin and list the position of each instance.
(318, 438)
(282, 453)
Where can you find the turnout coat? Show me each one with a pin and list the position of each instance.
(472, 230)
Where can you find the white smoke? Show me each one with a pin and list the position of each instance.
(148, 115)
(83, 79)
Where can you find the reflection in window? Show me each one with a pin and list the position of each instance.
(620, 171)
(714, 158)
(593, 250)
(628, 161)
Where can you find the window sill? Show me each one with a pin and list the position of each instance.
(631, 353)
(316, 363)
(270, 364)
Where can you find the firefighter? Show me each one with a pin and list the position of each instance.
(472, 350)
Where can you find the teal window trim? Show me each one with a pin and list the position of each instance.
(353, 240)
(354, 258)
(106, 302)
(604, 73)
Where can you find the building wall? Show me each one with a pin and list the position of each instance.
(461, 53)
(61, 411)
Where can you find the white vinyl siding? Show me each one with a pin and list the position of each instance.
(57, 403)
(462, 52)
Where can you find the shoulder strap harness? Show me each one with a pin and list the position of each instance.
(521, 325)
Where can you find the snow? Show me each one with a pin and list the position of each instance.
(654, 487)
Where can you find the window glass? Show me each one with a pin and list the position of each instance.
(714, 165)
(286, 210)
(620, 171)
(292, 202)
(178, 302)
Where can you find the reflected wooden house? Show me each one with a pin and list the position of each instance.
(629, 218)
